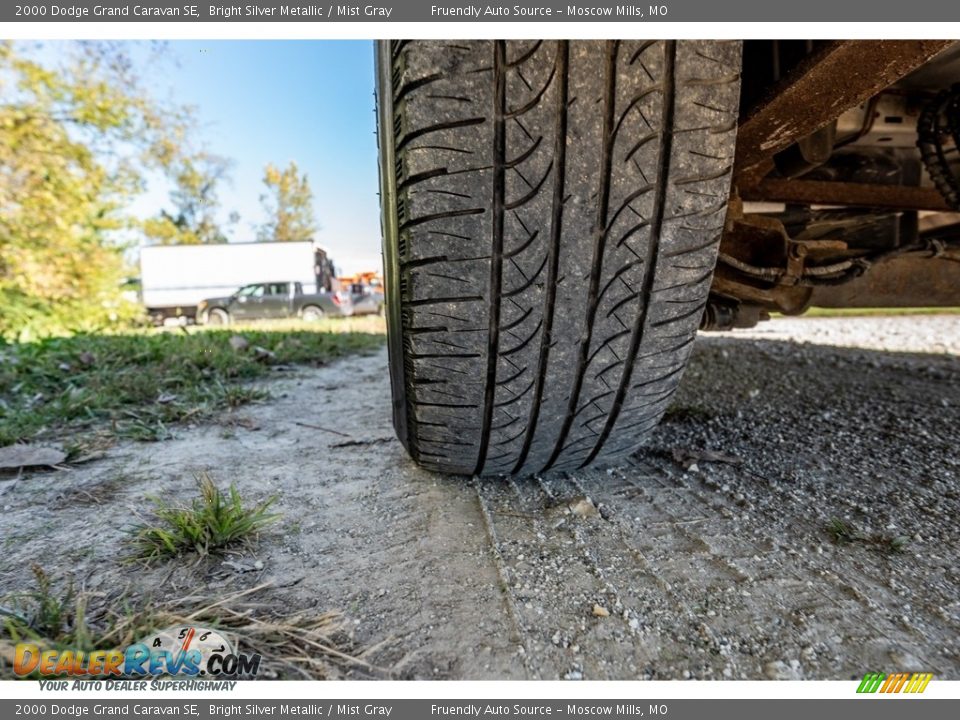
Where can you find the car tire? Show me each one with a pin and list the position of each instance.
(218, 317)
(312, 313)
(551, 217)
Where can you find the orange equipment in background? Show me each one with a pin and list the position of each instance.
(371, 278)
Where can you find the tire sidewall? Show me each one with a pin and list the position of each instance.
(312, 313)
(223, 317)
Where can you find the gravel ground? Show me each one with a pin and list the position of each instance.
(793, 518)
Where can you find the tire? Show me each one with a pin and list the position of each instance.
(218, 316)
(312, 313)
(551, 216)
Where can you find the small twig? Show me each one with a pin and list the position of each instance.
(332, 651)
(229, 598)
(353, 443)
(318, 427)
(688, 521)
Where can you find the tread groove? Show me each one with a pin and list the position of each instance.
(663, 171)
(600, 232)
(553, 252)
(496, 255)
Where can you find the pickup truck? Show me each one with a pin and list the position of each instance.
(272, 301)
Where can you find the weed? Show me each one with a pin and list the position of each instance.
(43, 613)
(236, 395)
(842, 533)
(210, 523)
(896, 544)
(61, 618)
(304, 644)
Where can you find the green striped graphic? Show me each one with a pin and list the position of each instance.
(871, 682)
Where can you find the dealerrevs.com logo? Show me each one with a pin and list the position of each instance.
(176, 652)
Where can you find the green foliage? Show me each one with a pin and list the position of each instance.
(144, 383)
(75, 138)
(45, 613)
(289, 205)
(194, 197)
(842, 533)
(211, 522)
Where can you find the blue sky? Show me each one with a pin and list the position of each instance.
(275, 101)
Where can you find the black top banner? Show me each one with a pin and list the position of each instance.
(464, 11)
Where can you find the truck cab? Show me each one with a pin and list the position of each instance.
(266, 301)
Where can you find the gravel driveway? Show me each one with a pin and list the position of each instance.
(794, 517)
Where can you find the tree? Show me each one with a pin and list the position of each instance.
(289, 205)
(74, 141)
(196, 202)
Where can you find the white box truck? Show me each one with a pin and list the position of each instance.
(174, 278)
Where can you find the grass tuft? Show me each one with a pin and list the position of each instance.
(310, 645)
(840, 532)
(214, 521)
(843, 533)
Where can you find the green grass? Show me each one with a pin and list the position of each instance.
(843, 533)
(140, 384)
(56, 615)
(875, 312)
(213, 521)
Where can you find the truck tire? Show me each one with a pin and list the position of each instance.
(218, 316)
(551, 216)
(312, 313)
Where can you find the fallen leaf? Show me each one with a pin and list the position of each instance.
(18, 456)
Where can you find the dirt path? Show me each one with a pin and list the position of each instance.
(682, 565)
